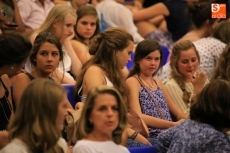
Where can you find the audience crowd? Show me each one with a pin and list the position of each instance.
(182, 106)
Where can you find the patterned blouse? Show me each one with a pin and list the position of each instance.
(193, 137)
(149, 107)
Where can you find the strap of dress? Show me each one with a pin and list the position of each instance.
(30, 76)
(5, 88)
(151, 96)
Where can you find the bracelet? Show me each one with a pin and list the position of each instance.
(134, 135)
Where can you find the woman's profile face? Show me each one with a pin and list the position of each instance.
(124, 55)
(104, 115)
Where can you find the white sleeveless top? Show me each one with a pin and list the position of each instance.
(67, 64)
(83, 98)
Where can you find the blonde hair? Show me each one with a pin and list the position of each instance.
(35, 118)
(84, 127)
(183, 45)
(57, 13)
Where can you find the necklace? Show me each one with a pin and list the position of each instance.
(4, 109)
(151, 86)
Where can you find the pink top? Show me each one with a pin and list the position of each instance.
(33, 13)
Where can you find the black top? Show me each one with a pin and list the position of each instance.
(179, 21)
(5, 109)
(148, 3)
(32, 77)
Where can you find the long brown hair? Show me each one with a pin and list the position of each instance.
(212, 105)
(104, 48)
(35, 118)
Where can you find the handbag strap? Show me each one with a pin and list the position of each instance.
(153, 99)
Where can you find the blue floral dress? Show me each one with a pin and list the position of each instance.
(194, 137)
(150, 107)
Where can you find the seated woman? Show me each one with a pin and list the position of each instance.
(206, 129)
(202, 21)
(186, 80)
(209, 49)
(60, 21)
(102, 122)
(148, 96)
(14, 51)
(46, 55)
(111, 50)
(87, 26)
(172, 28)
(39, 118)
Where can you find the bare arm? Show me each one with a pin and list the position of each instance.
(139, 138)
(151, 121)
(174, 109)
(81, 51)
(76, 63)
(62, 78)
(93, 77)
(150, 12)
(19, 85)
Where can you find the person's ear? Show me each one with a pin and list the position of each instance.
(55, 23)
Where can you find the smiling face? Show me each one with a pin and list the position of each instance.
(47, 58)
(86, 26)
(150, 63)
(188, 62)
(104, 115)
(64, 29)
(124, 55)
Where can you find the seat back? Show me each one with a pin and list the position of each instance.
(70, 93)
(165, 54)
(147, 149)
(129, 65)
